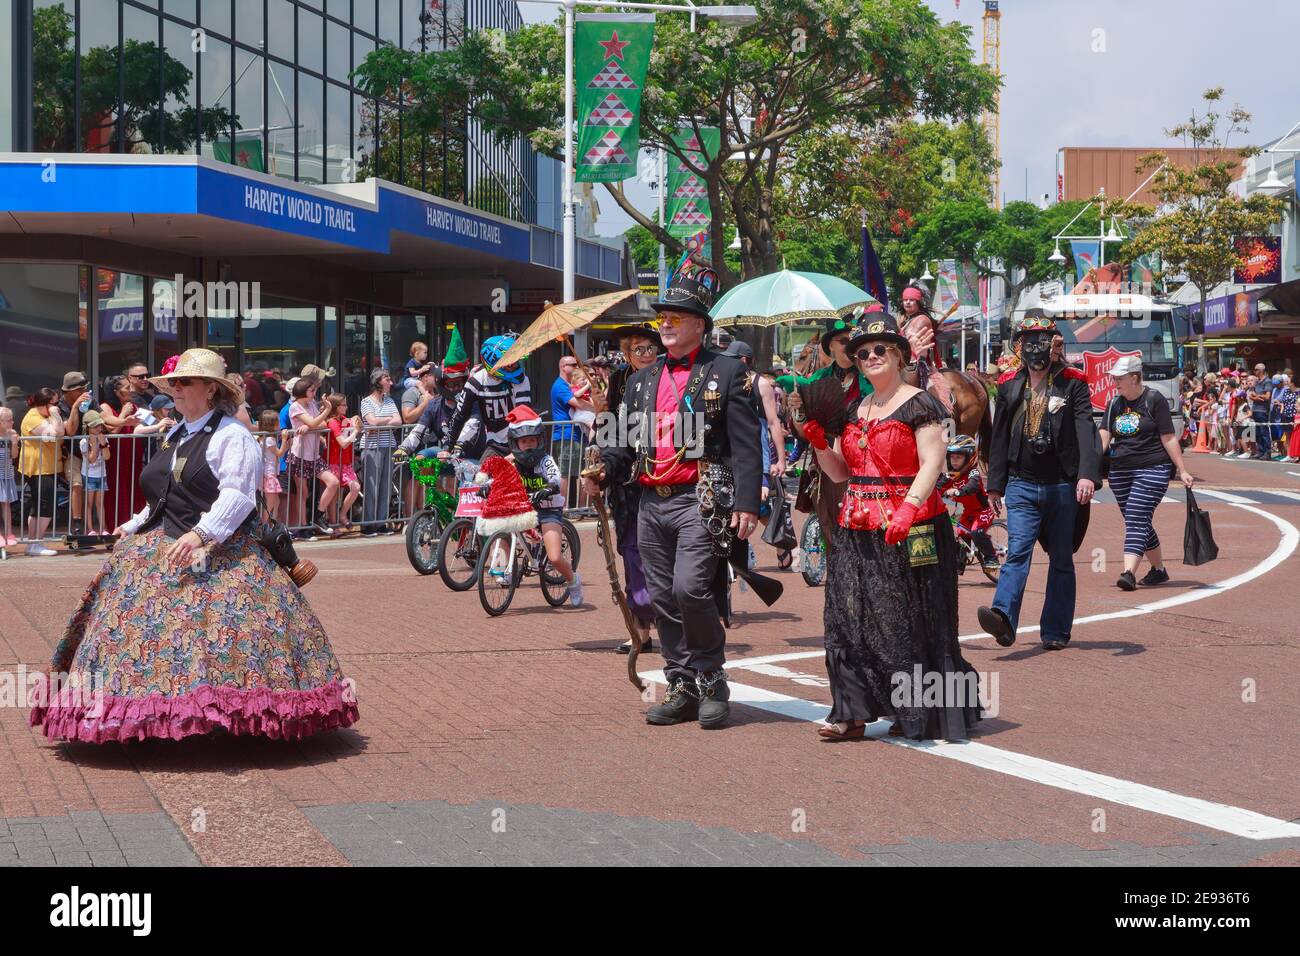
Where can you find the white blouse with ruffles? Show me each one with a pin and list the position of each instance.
(233, 456)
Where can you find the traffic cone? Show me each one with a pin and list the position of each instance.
(1202, 439)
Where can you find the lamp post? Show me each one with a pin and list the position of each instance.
(734, 15)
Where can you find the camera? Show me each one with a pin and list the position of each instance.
(1040, 444)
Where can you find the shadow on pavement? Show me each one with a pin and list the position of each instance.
(220, 751)
(1121, 649)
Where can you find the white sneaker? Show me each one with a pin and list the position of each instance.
(40, 551)
(575, 591)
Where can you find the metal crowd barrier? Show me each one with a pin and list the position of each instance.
(54, 493)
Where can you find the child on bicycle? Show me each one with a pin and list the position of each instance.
(964, 486)
(541, 477)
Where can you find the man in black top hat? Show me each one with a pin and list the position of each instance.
(687, 434)
(1045, 460)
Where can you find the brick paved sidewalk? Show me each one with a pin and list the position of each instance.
(526, 722)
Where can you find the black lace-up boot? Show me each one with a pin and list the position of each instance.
(680, 704)
(714, 696)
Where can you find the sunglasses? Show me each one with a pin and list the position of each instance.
(183, 382)
(879, 351)
(138, 375)
(843, 340)
(645, 350)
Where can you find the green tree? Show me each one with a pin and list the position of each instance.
(143, 121)
(1198, 216)
(804, 65)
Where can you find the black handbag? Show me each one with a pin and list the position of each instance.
(1198, 539)
(779, 532)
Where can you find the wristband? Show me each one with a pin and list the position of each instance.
(205, 539)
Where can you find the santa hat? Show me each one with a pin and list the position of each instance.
(455, 364)
(507, 507)
(523, 420)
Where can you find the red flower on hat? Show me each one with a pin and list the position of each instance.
(169, 366)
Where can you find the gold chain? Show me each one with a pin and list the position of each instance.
(1034, 413)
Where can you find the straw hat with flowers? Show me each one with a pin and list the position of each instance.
(199, 363)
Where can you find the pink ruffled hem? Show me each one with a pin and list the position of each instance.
(277, 714)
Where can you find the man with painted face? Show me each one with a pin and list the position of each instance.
(1045, 463)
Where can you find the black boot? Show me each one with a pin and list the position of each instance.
(997, 624)
(680, 704)
(714, 694)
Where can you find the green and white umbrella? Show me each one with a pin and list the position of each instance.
(787, 296)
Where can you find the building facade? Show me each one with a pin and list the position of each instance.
(207, 172)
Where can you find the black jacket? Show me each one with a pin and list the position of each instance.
(720, 388)
(1074, 434)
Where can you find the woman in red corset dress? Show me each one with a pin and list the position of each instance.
(891, 588)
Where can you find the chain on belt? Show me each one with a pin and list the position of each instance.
(716, 491)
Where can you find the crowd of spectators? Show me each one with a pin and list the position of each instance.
(1237, 413)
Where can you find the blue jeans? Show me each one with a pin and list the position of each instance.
(1033, 509)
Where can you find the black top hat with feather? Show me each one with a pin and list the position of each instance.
(693, 289)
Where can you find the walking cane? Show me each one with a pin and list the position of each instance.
(606, 540)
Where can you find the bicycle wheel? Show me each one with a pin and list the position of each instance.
(423, 535)
(814, 552)
(569, 548)
(496, 591)
(458, 551)
(1000, 537)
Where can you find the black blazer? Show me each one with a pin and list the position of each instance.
(731, 434)
(1074, 434)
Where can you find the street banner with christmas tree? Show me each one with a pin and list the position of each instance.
(687, 200)
(611, 56)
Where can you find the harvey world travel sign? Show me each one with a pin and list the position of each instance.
(301, 208)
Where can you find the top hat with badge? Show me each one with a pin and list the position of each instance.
(692, 289)
(880, 327)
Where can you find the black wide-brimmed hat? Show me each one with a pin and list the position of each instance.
(834, 327)
(693, 288)
(880, 327)
(644, 329)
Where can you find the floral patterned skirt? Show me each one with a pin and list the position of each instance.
(227, 645)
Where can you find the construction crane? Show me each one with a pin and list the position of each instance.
(993, 59)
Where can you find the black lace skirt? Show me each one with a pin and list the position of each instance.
(891, 637)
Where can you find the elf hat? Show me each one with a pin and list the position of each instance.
(455, 364)
(507, 507)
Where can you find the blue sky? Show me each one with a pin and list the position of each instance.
(1158, 56)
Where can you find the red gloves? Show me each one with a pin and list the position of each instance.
(816, 435)
(900, 523)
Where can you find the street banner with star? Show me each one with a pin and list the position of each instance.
(611, 56)
(687, 209)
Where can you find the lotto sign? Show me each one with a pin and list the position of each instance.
(1097, 366)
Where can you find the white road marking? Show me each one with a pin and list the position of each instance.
(1286, 494)
(1215, 816)
(1285, 548)
(771, 670)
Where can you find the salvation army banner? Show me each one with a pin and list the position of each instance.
(1261, 260)
(687, 202)
(611, 56)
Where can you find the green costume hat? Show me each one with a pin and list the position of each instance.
(455, 364)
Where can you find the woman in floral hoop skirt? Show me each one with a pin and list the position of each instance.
(191, 627)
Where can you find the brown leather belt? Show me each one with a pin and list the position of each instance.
(667, 491)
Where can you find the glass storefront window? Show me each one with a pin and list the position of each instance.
(338, 51)
(311, 129)
(329, 336)
(186, 10)
(280, 129)
(166, 332)
(215, 100)
(394, 333)
(98, 78)
(140, 64)
(311, 41)
(353, 367)
(280, 28)
(363, 15)
(248, 21)
(54, 57)
(279, 338)
(390, 23)
(42, 330)
(248, 110)
(412, 24)
(216, 16)
(363, 136)
(338, 161)
(179, 132)
(6, 79)
(119, 299)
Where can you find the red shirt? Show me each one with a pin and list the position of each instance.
(672, 383)
(337, 455)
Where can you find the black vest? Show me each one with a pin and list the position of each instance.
(178, 484)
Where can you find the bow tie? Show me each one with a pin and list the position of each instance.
(671, 363)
